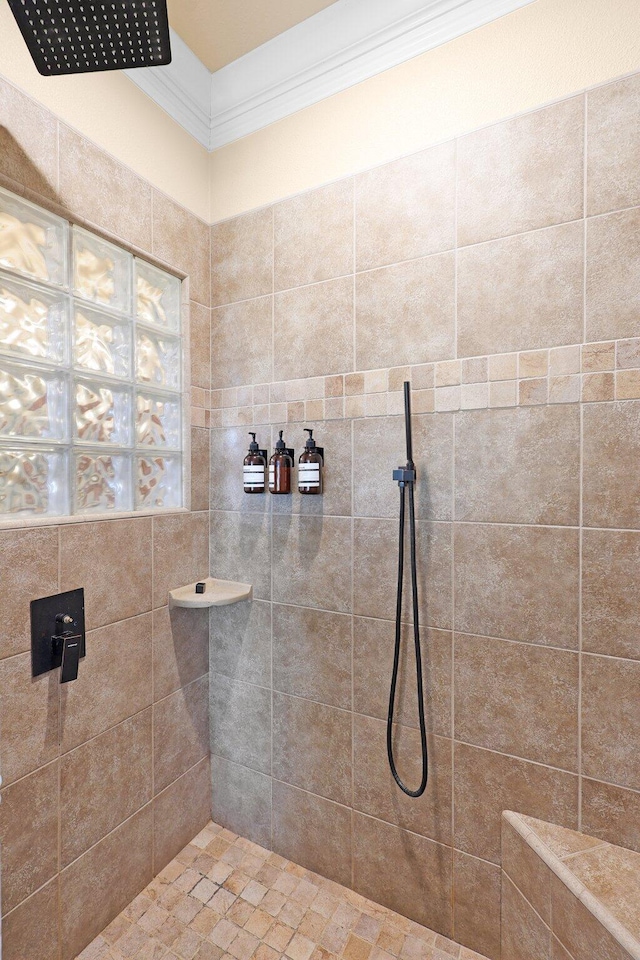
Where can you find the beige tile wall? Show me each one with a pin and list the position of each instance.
(501, 274)
(104, 779)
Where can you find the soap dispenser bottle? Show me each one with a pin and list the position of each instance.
(280, 467)
(255, 468)
(310, 467)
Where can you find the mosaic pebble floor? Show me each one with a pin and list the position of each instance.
(226, 898)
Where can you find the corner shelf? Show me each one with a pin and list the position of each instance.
(218, 593)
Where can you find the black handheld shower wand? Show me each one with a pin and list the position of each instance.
(406, 478)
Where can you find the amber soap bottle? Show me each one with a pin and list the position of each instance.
(254, 468)
(280, 468)
(310, 467)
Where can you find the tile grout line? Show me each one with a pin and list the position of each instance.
(581, 467)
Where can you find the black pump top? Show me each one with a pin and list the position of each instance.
(280, 444)
(310, 444)
(253, 446)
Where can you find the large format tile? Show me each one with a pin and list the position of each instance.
(98, 879)
(522, 292)
(182, 240)
(26, 746)
(97, 187)
(241, 642)
(406, 209)
(180, 732)
(312, 562)
(518, 466)
(610, 574)
(112, 560)
(312, 747)
(313, 236)
(312, 654)
(229, 447)
(522, 174)
(28, 141)
(28, 822)
(180, 648)
(406, 313)
(241, 800)
(379, 448)
(200, 468)
(527, 870)
(476, 904)
(180, 552)
(613, 276)
(613, 146)
(373, 644)
(240, 549)
(242, 257)
(524, 935)
(376, 793)
(31, 930)
(517, 698)
(30, 571)
(420, 871)
(313, 330)
(611, 480)
(611, 720)
(200, 345)
(240, 724)
(312, 831)
(375, 571)
(95, 793)
(114, 681)
(241, 338)
(191, 795)
(611, 813)
(486, 783)
(492, 596)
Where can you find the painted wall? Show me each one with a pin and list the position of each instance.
(104, 779)
(504, 283)
(541, 53)
(110, 110)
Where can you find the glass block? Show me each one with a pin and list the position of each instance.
(32, 482)
(102, 482)
(158, 297)
(32, 241)
(33, 320)
(101, 271)
(101, 343)
(157, 360)
(158, 482)
(157, 421)
(102, 413)
(33, 403)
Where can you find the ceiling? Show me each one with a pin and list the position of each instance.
(220, 31)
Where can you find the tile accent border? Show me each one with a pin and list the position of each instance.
(578, 373)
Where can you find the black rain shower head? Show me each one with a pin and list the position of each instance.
(84, 36)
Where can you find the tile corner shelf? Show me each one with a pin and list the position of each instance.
(218, 593)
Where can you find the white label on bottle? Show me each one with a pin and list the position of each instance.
(309, 474)
(272, 474)
(253, 475)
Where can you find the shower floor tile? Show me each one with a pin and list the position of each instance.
(226, 898)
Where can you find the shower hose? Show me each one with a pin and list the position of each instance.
(406, 478)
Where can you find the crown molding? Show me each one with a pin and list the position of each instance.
(344, 44)
(182, 89)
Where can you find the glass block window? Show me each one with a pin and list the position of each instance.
(90, 372)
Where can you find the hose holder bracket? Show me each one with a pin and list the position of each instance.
(404, 475)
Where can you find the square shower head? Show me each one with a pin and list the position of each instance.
(83, 36)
